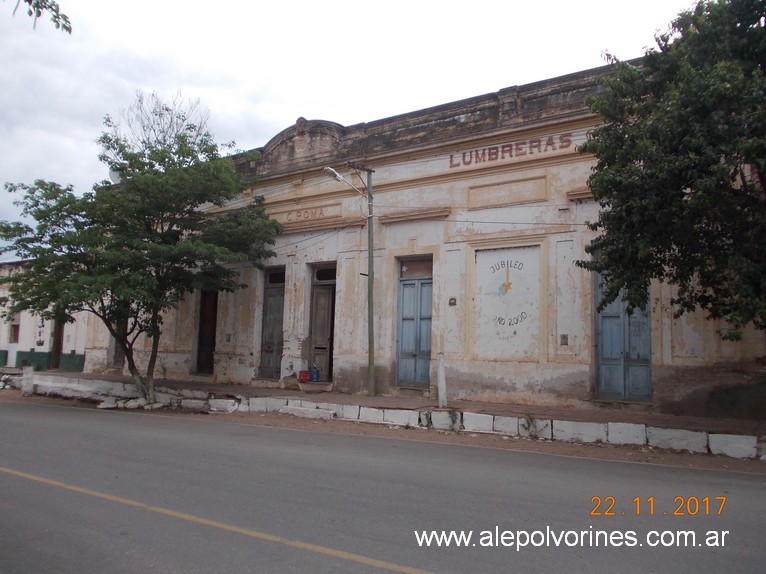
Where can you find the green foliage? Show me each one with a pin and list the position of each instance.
(130, 252)
(681, 167)
(36, 8)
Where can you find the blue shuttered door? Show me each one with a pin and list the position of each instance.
(638, 384)
(624, 353)
(414, 341)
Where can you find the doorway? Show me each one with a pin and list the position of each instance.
(322, 329)
(413, 347)
(208, 318)
(118, 356)
(624, 352)
(57, 343)
(121, 326)
(273, 314)
(14, 330)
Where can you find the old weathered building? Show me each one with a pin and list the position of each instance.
(480, 210)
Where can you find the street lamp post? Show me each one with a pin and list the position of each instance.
(370, 271)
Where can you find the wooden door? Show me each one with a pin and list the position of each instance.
(413, 356)
(624, 353)
(208, 317)
(273, 315)
(321, 336)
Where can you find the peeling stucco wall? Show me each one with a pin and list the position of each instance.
(493, 191)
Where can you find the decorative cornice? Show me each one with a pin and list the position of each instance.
(420, 214)
(311, 144)
(580, 194)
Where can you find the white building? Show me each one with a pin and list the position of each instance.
(27, 339)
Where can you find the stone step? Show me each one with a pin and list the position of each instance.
(307, 412)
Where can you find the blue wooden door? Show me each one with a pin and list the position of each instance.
(414, 341)
(624, 353)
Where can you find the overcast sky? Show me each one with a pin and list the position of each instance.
(258, 66)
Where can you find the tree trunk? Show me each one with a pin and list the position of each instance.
(139, 381)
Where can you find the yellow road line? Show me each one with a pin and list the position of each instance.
(382, 564)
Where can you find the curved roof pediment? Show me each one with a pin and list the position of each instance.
(304, 143)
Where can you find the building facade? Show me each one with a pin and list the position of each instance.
(26, 339)
(479, 214)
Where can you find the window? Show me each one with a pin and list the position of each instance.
(13, 333)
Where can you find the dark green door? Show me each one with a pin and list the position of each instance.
(273, 313)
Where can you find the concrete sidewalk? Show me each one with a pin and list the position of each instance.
(598, 422)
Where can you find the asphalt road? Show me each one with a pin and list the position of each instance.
(85, 491)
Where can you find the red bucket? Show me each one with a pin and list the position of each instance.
(303, 376)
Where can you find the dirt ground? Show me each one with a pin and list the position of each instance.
(634, 454)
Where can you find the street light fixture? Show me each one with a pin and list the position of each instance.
(370, 270)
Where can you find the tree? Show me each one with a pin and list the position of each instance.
(36, 8)
(681, 167)
(129, 253)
